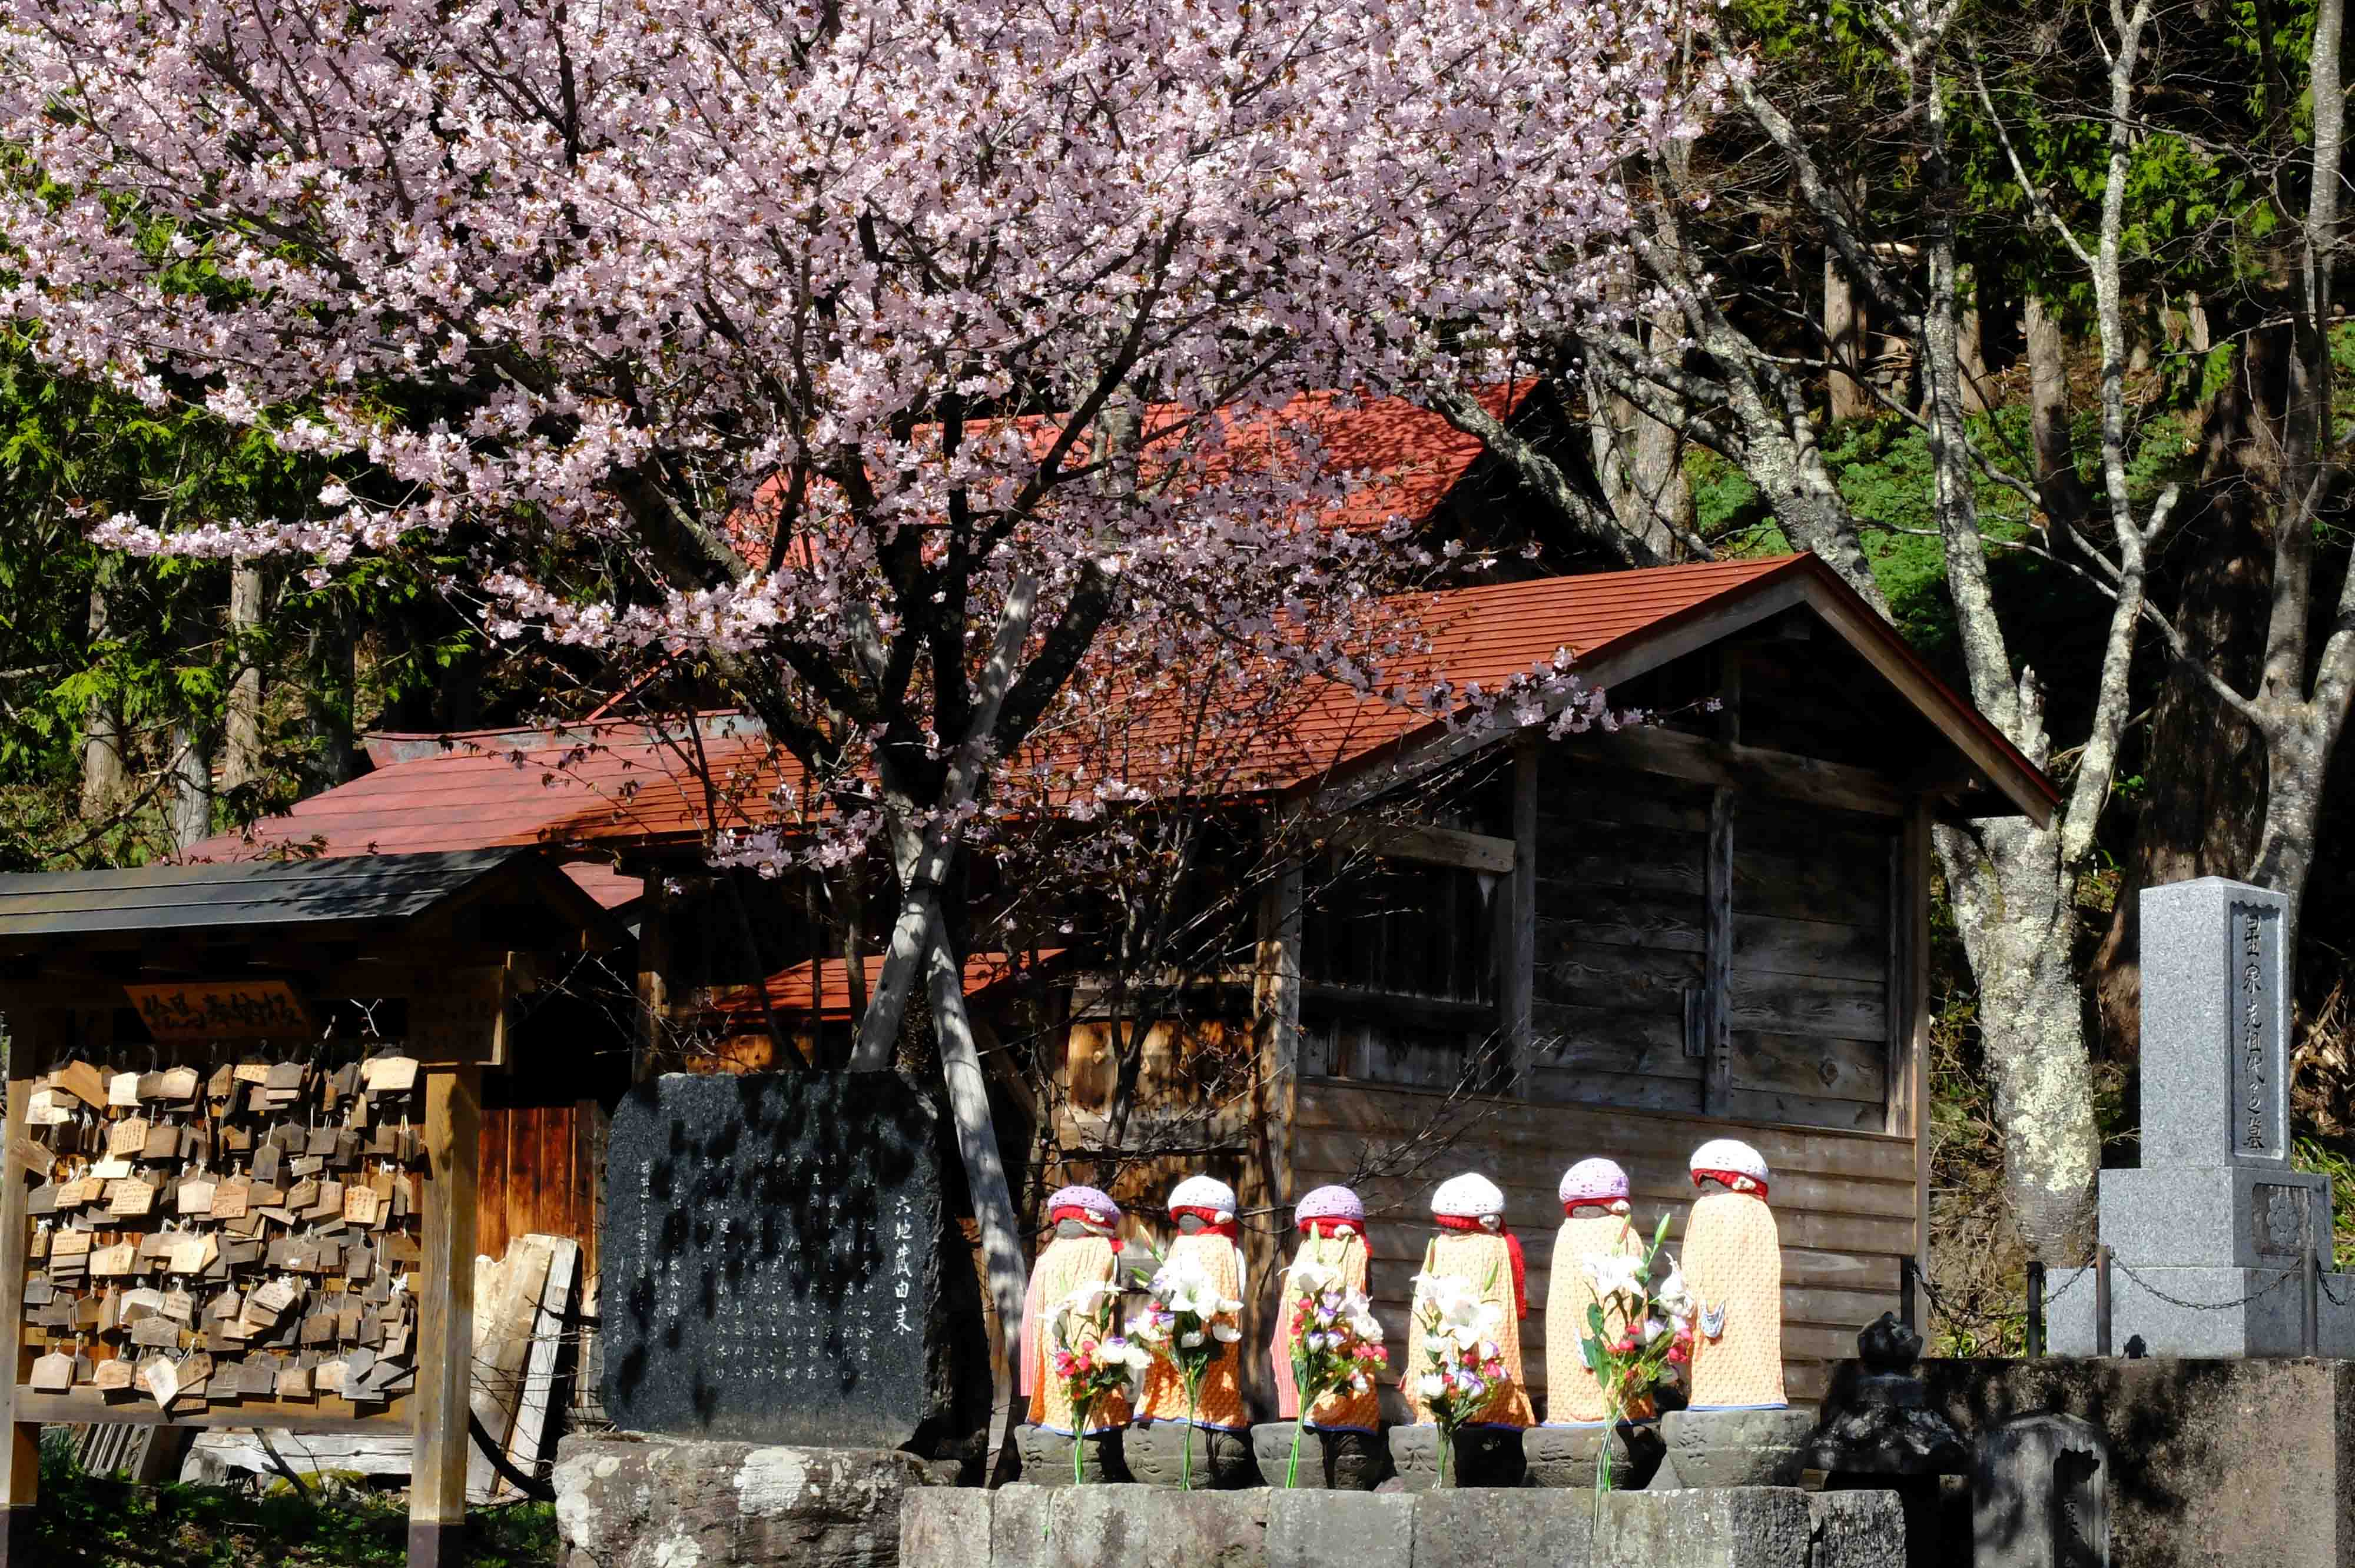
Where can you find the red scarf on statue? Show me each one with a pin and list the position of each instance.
(1512, 1250)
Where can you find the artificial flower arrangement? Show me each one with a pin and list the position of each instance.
(1186, 1319)
(1462, 1365)
(1337, 1343)
(1093, 1363)
(1638, 1333)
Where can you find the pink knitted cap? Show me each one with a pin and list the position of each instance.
(1099, 1207)
(1592, 1182)
(1330, 1203)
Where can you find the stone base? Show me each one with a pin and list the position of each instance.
(623, 1501)
(2213, 1463)
(1568, 1456)
(2214, 1216)
(1047, 1458)
(1139, 1527)
(1735, 1447)
(1156, 1455)
(2252, 1312)
(1483, 1457)
(1330, 1461)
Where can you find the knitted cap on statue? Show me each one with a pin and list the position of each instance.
(1067, 1265)
(1332, 1225)
(1600, 1186)
(1214, 1249)
(1733, 1267)
(1472, 1245)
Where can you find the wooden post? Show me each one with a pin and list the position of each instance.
(1276, 1005)
(1716, 959)
(653, 982)
(1909, 1009)
(1518, 953)
(445, 1324)
(34, 1039)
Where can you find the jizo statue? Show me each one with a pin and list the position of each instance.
(1332, 1225)
(1203, 1209)
(1733, 1267)
(1082, 1251)
(1594, 1209)
(1473, 1251)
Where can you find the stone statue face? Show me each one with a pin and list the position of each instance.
(1189, 1224)
(1712, 1185)
(1588, 1211)
(1069, 1230)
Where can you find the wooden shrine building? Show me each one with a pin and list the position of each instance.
(242, 1142)
(1710, 923)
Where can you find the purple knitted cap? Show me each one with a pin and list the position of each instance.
(1594, 1182)
(1330, 1203)
(1095, 1205)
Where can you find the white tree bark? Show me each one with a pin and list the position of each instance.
(241, 749)
(103, 776)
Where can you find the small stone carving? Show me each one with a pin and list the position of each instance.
(1480, 1456)
(1735, 1447)
(1733, 1267)
(2039, 1495)
(1886, 1427)
(1567, 1456)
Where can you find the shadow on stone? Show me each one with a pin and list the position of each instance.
(1329, 1461)
(1483, 1457)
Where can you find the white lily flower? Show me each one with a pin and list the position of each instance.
(1190, 1341)
(1612, 1274)
(1433, 1385)
(1225, 1333)
(1312, 1275)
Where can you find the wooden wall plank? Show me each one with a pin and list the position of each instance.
(1813, 1065)
(1809, 1004)
(1777, 944)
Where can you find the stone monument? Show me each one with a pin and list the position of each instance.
(2039, 1495)
(2214, 1216)
(772, 1260)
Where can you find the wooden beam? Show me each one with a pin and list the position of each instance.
(1717, 959)
(1516, 950)
(1275, 1009)
(1909, 1068)
(84, 1407)
(1428, 845)
(445, 1324)
(36, 1038)
(1747, 769)
(653, 1013)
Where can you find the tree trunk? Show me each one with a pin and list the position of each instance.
(1640, 459)
(327, 721)
(188, 768)
(1970, 345)
(2018, 930)
(2048, 392)
(1845, 332)
(102, 774)
(242, 752)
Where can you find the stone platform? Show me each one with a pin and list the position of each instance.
(1150, 1527)
(2212, 1464)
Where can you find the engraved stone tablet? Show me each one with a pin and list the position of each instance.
(773, 1273)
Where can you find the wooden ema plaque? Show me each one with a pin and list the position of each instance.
(239, 1242)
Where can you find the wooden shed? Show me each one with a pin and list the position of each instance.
(1623, 942)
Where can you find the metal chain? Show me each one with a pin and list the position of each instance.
(2201, 1306)
(2074, 1279)
(2324, 1278)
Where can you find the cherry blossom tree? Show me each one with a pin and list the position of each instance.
(884, 358)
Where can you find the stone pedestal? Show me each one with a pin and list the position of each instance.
(2039, 1495)
(1735, 1447)
(1483, 1457)
(1047, 1458)
(1155, 1453)
(630, 1502)
(1330, 1461)
(1570, 1456)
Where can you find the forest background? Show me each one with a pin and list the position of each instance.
(2020, 315)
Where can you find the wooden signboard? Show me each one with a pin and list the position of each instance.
(222, 1010)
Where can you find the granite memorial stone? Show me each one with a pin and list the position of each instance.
(2039, 1495)
(2214, 1216)
(771, 1262)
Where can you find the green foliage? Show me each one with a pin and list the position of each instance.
(2321, 1159)
(90, 1521)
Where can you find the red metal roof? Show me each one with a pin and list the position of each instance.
(605, 787)
(788, 989)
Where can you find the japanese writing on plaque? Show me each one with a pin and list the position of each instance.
(2257, 1051)
(241, 1009)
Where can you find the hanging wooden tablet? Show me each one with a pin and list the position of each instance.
(122, 1089)
(295, 1382)
(53, 1374)
(131, 1199)
(327, 1377)
(113, 1262)
(194, 1254)
(161, 1379)
(180, 1085)
(225, 1307)
(157, 1246)
(151, 1086)
(243, 1252)
(236, 1139)
(265, 1163)
(228, 1198)
(38, 1291)
(223, 1083)
(361, 1204)
(41, 1200)
(112, 1167)
(326, 1202)
(163, 1142)
(319, 1328)
(47, 1108)
(112, 1376)
(390, 1075)
(127, 1138)
(321, 1141)
(155, 1334)
(195, 1196)
(196, 1374)
(256, 1376)
(84, 1081)
(179, 1306)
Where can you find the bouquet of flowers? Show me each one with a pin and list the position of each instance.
(1093, 1363)
(1186, 1320)
(1336, 1343)
(1638, 1333)
(1461, 1365)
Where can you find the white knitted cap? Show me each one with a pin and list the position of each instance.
(1470, 1196)
(1204, 1192)
(1733, 1157)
